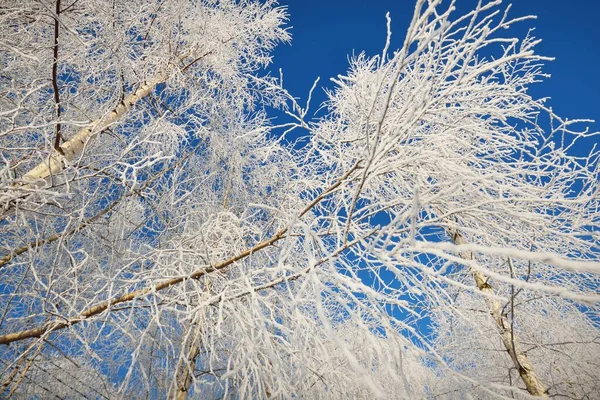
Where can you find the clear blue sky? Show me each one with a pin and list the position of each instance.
(325, 32)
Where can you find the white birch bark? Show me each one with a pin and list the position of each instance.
(185, 368)
(522, 364)
(74, 147)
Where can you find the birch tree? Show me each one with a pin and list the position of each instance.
(434, 235)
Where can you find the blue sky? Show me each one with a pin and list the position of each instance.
(325, 32)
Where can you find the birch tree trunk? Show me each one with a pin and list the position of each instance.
(185, 368)
(534, 385)
(75, 146)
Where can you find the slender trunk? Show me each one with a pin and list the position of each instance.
(185, 374)
(73, 147)
(57, 137)
(534, 385)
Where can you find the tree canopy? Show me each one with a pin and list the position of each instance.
(433, 235)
